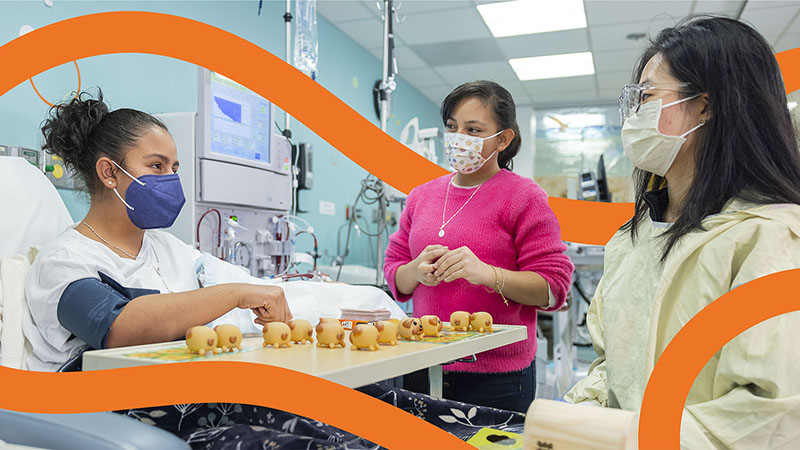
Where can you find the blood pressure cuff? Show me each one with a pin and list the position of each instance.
(89, 306)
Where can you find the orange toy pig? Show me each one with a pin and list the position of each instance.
(201, 340)
(229, 337)
(302, 331)
(411, 329)
(330, 333)
(481, 321)
(459, 321)
(277, 334)
(431, 325)
(364, 336)
(387, 332)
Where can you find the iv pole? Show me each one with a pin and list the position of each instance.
(287, 132)
(386, 87)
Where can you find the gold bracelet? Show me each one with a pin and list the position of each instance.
(503, 275)
(495, 281)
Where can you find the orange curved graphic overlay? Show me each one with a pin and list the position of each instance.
(697, 342)
(376, 152)
(290, 90)
(246, 63)
(218, 381)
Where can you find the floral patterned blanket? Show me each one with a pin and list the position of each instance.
(236, 426)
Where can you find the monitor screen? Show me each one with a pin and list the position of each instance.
(240, 121)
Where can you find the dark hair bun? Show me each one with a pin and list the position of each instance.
(69, 126)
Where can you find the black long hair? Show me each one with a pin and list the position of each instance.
(83, 130)
(502, 104)
(747, 148)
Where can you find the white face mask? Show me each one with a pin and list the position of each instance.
(465, 152)
(647, 147)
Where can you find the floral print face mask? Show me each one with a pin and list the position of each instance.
(465, 152)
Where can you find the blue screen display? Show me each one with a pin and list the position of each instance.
(240, 121)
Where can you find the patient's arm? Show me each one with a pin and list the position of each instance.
(165, 317)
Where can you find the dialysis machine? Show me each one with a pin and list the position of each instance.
(235, 172)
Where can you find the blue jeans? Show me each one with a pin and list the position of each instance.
(512, 391)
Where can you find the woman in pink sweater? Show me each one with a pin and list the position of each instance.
(483, 239)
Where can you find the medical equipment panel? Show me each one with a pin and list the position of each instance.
(234, 184)
(232, 208)
(236, 125)
(31, 155)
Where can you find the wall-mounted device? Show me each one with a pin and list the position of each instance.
(305, 176)
(235, 166)
(588, 186)
(31, 155)
(603, 192)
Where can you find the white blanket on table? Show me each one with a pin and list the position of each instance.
(309, 300)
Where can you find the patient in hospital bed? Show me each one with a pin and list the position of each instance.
(114, 279)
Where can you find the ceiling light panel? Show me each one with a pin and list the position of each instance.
(553, 66)
(532, 16)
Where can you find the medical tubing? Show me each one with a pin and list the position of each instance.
(580, 290)
(339, 236)
(316, 247)
(349, 230)
(219, 226)
(77, 93)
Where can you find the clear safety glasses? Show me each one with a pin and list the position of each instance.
(634, 94)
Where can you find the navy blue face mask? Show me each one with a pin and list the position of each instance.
(153, 201)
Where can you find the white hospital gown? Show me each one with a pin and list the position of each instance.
(73, 257)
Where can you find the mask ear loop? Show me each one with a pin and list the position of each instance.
(487, 138)
(132, 177)
(702, 122)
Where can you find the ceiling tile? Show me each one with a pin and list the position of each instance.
(613, 81)
(546, 87)
(788, 42)
(766, 4)
(368, 33)
(406, 58)
(728, 8)
(499, 71)
(772, 39)
(564, 97)
(770, 21)
(609, 94)
(425, 6)
(424, 77)
(443, 26)
(601, 12)
(540, 44)
(518, 92)
(436, 93)
(795, 26)
(343, 11)
(449, 53)
(617, 61)
(614, 37)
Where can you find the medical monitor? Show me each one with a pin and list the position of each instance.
(603, 194)
(236, 125)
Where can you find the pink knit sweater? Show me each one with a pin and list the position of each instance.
(507, 224)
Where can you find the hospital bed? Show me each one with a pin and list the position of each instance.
(32, 212)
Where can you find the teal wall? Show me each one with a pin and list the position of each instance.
(158, 84)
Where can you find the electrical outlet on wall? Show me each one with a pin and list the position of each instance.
(327, 208)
